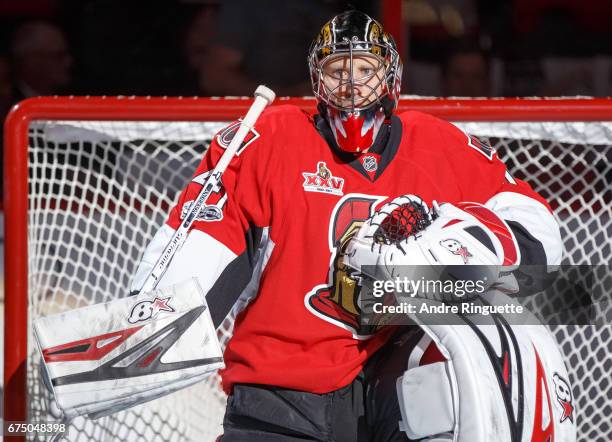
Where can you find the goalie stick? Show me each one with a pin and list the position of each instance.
(263, 97)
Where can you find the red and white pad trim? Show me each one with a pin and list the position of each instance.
(491, 381)
(499, 227)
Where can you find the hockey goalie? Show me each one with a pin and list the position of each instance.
(308, 212)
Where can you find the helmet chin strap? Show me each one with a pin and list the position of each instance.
(388, 105)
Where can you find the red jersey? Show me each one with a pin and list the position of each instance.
(269, 244)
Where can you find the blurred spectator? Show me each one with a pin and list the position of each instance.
(41, 60)
(5, 86)
(264, 44)
(198, 36)
(196, 44)
(567, 76)
(130, 47)
(5, 104)
(466, 71)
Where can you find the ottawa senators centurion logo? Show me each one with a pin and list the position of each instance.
(337, 300)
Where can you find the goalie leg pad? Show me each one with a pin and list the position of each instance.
(426, 401)
(384, 375)
(498, 382)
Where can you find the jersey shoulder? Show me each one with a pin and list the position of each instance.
(281, 119)
(283, 126)
(422, 121)
(430, 131)
(443, 135)
(271, 132)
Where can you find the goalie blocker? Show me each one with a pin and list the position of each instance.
(108, 357)
(105, 366)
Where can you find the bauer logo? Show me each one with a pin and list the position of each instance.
(323, 181)
(225, 137)
(145, 310)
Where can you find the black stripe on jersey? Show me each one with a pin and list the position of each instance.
(235, 277)
(386, 145)
(390, 148)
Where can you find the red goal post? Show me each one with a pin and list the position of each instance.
(16, 145)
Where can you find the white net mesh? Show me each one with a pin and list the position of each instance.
(99, 190)
(570, 164)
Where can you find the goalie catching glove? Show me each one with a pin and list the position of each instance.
(404, 239)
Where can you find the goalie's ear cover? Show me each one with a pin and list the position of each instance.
(499, 382)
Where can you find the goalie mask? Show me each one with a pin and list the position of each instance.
(355, 71)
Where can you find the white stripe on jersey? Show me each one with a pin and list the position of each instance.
(201, 256)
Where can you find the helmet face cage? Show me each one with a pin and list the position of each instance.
(355, 71)
(374, 48)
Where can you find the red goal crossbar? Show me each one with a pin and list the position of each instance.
(184, 109)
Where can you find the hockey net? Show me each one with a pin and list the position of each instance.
(89, 181)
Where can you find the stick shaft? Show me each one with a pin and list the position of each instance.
(213, 182)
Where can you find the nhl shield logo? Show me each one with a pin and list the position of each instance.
(323, 181)
(369, 163)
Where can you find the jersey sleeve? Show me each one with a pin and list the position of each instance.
(482, 177)
(225, 241)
